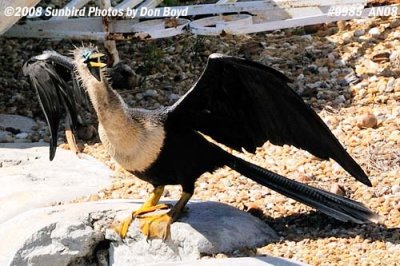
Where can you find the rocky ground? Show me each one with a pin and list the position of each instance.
(348, 72)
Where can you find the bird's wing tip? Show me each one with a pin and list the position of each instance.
(216, 55)
(365, 180)
(376, 218)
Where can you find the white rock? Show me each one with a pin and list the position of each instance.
(207, 228)
(22, 123)
(29, 180)
(395, 189)
(22, 135)
(60, 235)
(65, 235)
(374, 31)
(5, 137)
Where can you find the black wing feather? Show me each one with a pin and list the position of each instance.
(242, 104)
(46, 83)
(55, 96)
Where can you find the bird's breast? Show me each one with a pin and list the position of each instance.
(135, 148)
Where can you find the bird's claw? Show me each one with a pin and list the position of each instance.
(123, 226)
(157, 226)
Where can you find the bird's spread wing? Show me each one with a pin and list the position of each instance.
(55, 96)
(242, 104)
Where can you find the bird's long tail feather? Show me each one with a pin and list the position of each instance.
(339, 207)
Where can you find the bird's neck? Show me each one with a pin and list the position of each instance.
(134, 145)
(116, 129)
(108, 104)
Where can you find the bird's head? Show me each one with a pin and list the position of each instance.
(91, 57)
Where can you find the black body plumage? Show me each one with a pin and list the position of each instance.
(241, 104)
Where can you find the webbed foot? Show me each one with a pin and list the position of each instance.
(157, 226)
(123, 226)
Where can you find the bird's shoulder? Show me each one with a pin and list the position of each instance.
(147, 115)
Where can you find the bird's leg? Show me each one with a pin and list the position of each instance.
(70, 138)
(149, 206)
(158, 226)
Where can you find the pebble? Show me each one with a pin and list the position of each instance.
(347, 36)
(303, 178)
(343, 83)
(313, 69)
(370, 67)
(374, 31)
(390, 86)
(174, 97)
(150, 93)
(331, 57)
(338, 190)
(139, 96)
(324, 72)
(394, 136)
(367, 120)
(395, 59)
(340, 99)
(207, 42)
(359, 32)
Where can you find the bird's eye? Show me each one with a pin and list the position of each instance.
(86, 55)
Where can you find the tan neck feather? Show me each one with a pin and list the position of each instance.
(102, 96)
(132, 144)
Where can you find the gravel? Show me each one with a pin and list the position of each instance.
(319, 64)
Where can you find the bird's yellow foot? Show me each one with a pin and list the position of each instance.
(144, 210)
(123, 226)
(157, 226)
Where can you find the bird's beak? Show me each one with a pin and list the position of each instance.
(94, 64)
(92, 60)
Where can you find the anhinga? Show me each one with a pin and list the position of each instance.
(238, 103)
